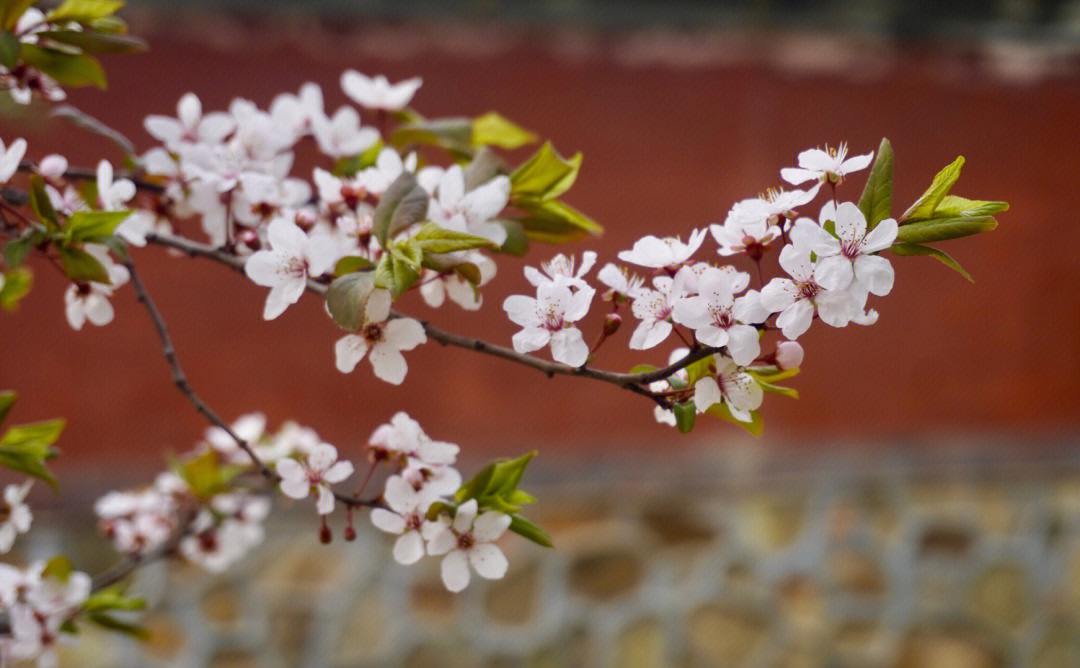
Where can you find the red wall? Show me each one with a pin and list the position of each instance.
(673, 130)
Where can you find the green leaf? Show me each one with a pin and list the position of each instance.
(69, 69)
(952, 206)
(11, 11)
(16, 286)
(529, 531)
(545, 175)
(517, 240)
(347, 298)
(351, 264)
(95, 42)
(25, 448)
(16, 250)
(926, 204)
(476, 485)
(111, 623)
(876, 200)
(484, 166)
(405, 203)
(507, 474)
(109, 24)
(789, 392)
(58, 568)
(493, 130)
(642, 368)
(112, 598)
(943, 229)
(86, 225)
(9, 49)
(702, 368)
(41, 204)
(205, 475)
(404, 273)
(434, 239)
(7, 400)
(81, 266)
(84, 11)
(755, 426)
(772, 374)
(941, 256)
(553, 221)
(451, 134)
(685, 416)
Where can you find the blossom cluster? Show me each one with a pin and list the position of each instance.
(425, 475)
(37, 603)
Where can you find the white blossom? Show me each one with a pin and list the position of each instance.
(656, 253)
(15, 514)
(469, 540)
(90, 301)
(317, 472)
(472, 212)
(436, 288)
(10, 158)
(831, 164)
(732, 385)
(341, 135)
(292, 259)
(546, 319)
(852, 255)
(623, 285)
(381, 340)
(798, 298)
(654, 307)
(190, 125)
(562, 267)
(714, 315)
(405, 516)
(378, 92)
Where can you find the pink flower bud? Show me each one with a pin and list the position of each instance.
(612, 322)
(789, 355)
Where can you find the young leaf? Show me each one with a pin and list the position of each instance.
(69, 69)
(952, 206)
(507, 474)
(347, 297)
(7, 400)
(41, 204)
(16, 250)
(84, 11)
(9, 49)
(111, 623)
(685, 416)
(789, 392)
(404, 204)
(926, 204)
(434, 239)
(25, 448)
(943, 229)
(11, 11)
(755, 426)
(876, 200)
(81, 266)
(553, 221)
(491, 129)
(113, 598)
(451, 134)
(351, 264)
(16, 286)
(529, 531)
(545, 175)
(941, 256)
(95, 42)
(517, 240)
(84, 225)
(59, 568)
(484, 166)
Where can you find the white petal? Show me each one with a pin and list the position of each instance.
(530, 339)
(488, 560)
(465, 515)
(778, 295)
(387, 521)
(796, 175)
(322, 457)
(286, 236)
(348, 351)
(377, 308)
(881, 237)
(321, 252)
(876, 272)
(834, 272)
(455, 571)
(743, 344)
(649, 334)
(282, 296)
(706, 393)
(521, 310)
(440, 539)
(408, 548)
(796, 319)
(265, 268)
(404, 333)
(850, 222)
(388, 364)
(324, 504)
(490, 526)
(568, 347)
(338, 472)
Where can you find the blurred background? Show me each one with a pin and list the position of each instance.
(919, 505)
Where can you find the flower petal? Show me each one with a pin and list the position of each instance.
(455, 571)
(488, 560)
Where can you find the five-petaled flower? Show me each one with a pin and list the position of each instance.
(293, 258)
(377, 92)
(382, 340)
(852, 255)
(468, 540)
(546, 319)
(318, 471)
(831, 164)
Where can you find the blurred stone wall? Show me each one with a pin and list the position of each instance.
(948, 561)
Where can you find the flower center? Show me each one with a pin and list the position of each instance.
(373, 332)
(465, 541)
(551, 320)
(809, 289)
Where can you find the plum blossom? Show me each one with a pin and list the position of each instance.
(436, 288)
(292, 259)
(732, 385)
(562, 267)
(249, 428)
(38, 605)
(341, 134)
(190, 125)
(717, 317)
(297, 113)
(10, 158)
(656, 253)
(831, 164)
(376, 179)
(90, 301)
(749, 228)
(472, 211)
(381, 340)
(546, 319)
(405, 517)
(851, 256)
(797, 299)
(223, 533)
(318, 470)
(621, 283)
(378, 92)
(468, 540)
(654, 307)
(15, 514)
(789, 355)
